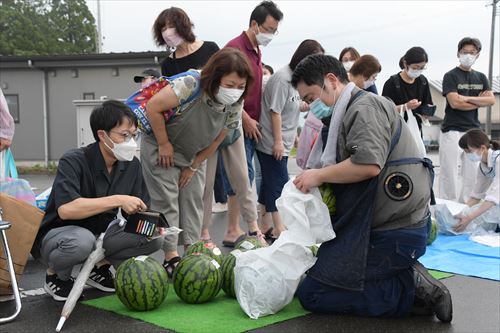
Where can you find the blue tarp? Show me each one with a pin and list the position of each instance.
(459, 255)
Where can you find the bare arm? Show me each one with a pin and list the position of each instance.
(163, 101)
(457, 102)
(278, 148)
(82, 208)
(465, 220)
(486, 98)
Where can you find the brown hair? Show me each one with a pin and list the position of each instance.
(224, 62)
(366, 65)
(307, 47)
(351, 50)
(476, 138)
(177, 18)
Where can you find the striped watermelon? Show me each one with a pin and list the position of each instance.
(141, 283)
(227, 270)
(206, 247)
(249, 243)
(197, 278)
(433, 234)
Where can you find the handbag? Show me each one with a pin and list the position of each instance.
(7, 165)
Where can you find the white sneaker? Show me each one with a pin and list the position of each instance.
(219, 207)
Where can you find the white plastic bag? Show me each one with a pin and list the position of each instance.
(415, 132)
(266, 279)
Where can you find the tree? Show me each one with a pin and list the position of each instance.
(46, 27)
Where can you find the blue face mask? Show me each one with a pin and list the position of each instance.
(319, 109)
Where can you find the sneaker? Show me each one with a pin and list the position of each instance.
(57, 288)
(101, 278)
(219, 207)
(433, 293)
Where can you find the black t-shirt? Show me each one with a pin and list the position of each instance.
(196, 60)
(75, 179)
(464, 83)
(419, 90)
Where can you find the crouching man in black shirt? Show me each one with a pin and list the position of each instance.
(90, 185)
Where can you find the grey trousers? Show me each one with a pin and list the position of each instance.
(183, 208)
(64, 247)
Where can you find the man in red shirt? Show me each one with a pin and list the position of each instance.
(263, 27)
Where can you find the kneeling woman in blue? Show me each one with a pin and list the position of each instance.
(485, 214)
(173, 157)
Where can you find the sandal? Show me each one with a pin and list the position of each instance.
(268, 235)
(227, 243)
(170, 265)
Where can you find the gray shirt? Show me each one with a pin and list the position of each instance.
(366, 132)
(279, 97)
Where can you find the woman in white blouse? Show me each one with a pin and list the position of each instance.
(484, 204)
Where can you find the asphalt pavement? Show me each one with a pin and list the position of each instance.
(476, 304)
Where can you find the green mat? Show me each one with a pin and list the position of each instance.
(222, 315)
(439, 275)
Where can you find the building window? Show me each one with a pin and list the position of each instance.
(88, 95)
(13, 104)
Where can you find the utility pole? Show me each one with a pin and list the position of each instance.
(99, 31)
(490, 67)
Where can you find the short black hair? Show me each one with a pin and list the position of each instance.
(307, 47)
(414, 55)
(265, 8)
(110, 114)
(312, 70)
(469, 41)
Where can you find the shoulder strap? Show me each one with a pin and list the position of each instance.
(360, 93)
(397, 83)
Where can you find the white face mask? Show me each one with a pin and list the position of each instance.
(368, 83)
(467, 60)
(263, 38)
(348, 65)
(124, 151)
(171, 38)
(265, 78)
(473, 157)
(228, 96)
(414, 73)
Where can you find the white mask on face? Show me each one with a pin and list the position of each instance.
(124, 151)
(171, 38)
(265, 78)
(348, 65)
(473, 157)
(368, 83)
(263, 38)
(228, 96)
(414, 73)
(467, 60)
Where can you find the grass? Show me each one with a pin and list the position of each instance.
(38, 169)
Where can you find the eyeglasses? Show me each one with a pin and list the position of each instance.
(469, 52)
(269, 30)
(128, 136)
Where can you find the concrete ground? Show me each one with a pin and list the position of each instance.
(476, 304)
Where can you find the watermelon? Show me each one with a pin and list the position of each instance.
(197, 278)
(227, 270)
(141, 283)
(249, 243)
(206, 247)
(326, 190)
(433, 234)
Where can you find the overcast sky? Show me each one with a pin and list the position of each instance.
(385, 29)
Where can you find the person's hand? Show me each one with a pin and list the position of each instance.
(307, 180)
(4, 143)
(251, 129)
(463, 222)
(185, 177)
(304, 107)
(278, 150)
(166, 155)
(413, 104)
(132, 205)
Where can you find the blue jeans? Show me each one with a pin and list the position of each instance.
(250, 152)
(389, 288)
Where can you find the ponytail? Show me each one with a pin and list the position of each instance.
(495, 145)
